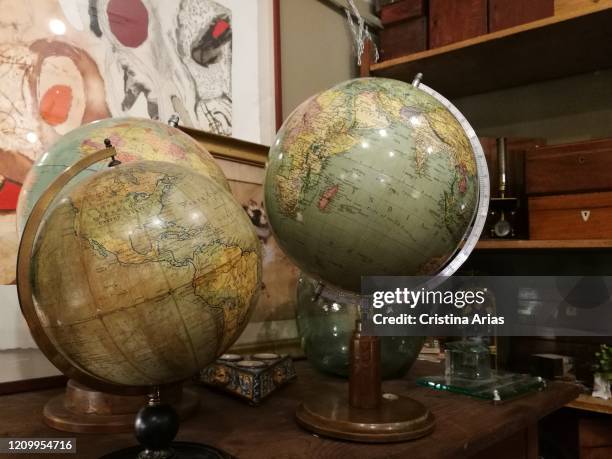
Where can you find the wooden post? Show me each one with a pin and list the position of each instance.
(366, 58)
(365, 375)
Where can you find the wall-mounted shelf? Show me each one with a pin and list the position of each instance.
(559, 46)
(522, 244)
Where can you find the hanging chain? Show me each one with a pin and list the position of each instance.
(359, 31)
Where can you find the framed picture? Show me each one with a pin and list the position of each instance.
(64, 63)
(272, 326)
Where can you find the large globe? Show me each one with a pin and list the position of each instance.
(133, 138)
(144, 273)
(371, 177)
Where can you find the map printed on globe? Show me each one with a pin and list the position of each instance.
(144, 273)
(361, 174)
(133, 138)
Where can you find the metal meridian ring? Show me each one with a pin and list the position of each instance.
(479, 218)
(24, 283)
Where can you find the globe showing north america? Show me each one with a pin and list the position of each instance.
(144, 273)
(371, 177)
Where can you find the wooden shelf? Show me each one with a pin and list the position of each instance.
(592, 404)
(522, 244)
(559, 46)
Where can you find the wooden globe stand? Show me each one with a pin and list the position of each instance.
(87, 406)
(368, 415)
(82, 409)
(156, 426)
(365, 414)
(157, 423)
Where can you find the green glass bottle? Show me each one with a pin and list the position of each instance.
(326, 321)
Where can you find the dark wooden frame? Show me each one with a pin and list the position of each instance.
(228, 148)
(278, 79)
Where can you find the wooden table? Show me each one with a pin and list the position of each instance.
(592, 404)
(594, 426)
(465, 426)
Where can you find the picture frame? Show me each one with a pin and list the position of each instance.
(73, 62)
(228, 148)
(63, 30)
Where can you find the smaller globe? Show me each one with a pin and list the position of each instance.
(144, 273)
(325, 326)
(135, 139)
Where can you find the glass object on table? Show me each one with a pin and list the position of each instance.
(468, 372)
(326, 321)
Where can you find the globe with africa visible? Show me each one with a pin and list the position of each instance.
(134, 139)
(371, 177)
(144, 273)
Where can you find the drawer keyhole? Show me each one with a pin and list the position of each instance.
(585, 214)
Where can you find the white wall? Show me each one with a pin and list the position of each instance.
(19, 356)
(316, 50)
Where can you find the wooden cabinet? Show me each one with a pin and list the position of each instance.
(401, 38)
(595, 438)
(569, 168)
(594, 426)
(542, 50)
(569, 173)
(509, 13)
(571, 216)
(456, 20)
(402, 10)
(405, 28)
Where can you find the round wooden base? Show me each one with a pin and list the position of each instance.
(397, 419)
(84, 410)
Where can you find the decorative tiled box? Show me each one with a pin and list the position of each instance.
(252, 377)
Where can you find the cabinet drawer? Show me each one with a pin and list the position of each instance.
(571, 216)
(403, 38)
(402, 10)
(569, 168)
(510, 13)
(456, 20)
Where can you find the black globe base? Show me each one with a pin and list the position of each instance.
(178, 450)
(155, 427)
